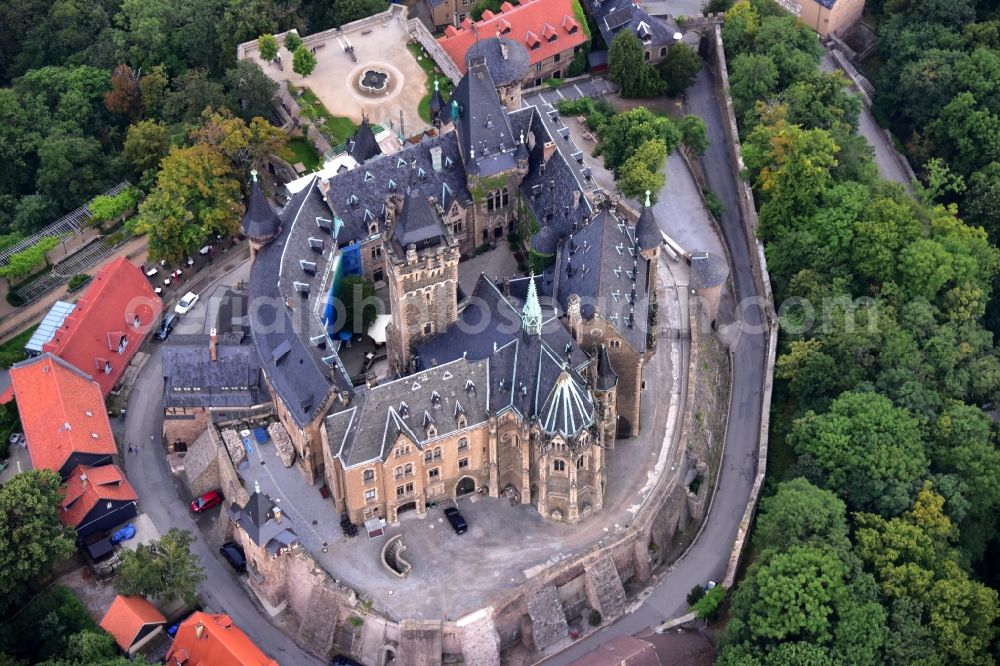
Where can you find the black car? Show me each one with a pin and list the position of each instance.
(455, 518)
(233, 553)
(344, 661)
(167, 326)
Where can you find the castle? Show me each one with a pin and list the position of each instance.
(517, 388)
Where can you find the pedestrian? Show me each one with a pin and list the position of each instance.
(130, 449)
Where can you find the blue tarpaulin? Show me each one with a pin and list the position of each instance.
(124, 534)
(260, 434)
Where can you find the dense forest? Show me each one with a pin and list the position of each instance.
(94, 92)
(877, 541)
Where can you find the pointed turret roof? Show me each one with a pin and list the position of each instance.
(647, 232)
(568, 409)
(260, 223)
(363, 145)
(418, 224)
(606, 377)
(531, 314)
(437, 103)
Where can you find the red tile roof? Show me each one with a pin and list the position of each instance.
(62, 412)
(621, 651)
(523, 23)
(118, 305)
(102, 484)
(127, 616)
(213, 640)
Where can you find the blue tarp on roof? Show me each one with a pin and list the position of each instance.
(260, 434)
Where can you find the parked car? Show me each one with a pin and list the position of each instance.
(210, 499)
(457, 521)
(341, 660)
(185, 304)
(167, 326)
(233, 553)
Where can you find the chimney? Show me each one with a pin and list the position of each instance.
(277, 514)
(345, 398)
(506, 287)
(213, 346)
(199, 630)
(576, 199)
(503, 46)
(436, 158)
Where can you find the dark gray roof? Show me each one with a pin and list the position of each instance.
(504, 68)
(192, 379)
(613, 16)
(647, 232)
(257, 519)
(260, 222)
(606, 377)
(523, 368)
(485, 134)
(546, 240)
(424, 407)
(357, 197)
(708, 270)
(302, 373)
(418, 224)
(600, 262)
(363, 146)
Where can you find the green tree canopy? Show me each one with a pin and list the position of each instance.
(165, 568)
(267, 45)
(252, 90)
(623, 133)
(643, 171)
(800, 514)
(628, 68)
(23, 263)
(292, 41)
(694, 134)
(303, 61)
(679, 69)
(360, 304)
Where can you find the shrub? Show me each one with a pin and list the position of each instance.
(707, 608)
(355, 621)
(595, 618)
(696, 593)
(78, 281)
(554, 83)
(715, 206)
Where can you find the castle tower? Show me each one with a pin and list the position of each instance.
(422, 271)
(605, 397)
(260, 223)
(649, 238)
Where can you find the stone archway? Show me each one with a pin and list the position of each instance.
(465, 486)
(387, 655)
(403, 508)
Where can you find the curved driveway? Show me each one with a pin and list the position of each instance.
(709, 555)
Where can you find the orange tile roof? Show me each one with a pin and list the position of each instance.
(118, 305)
(218, 642)
(103, 484)
(62, 412)
(552, 19)
(127, 616)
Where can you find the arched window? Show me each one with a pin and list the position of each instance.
(463, 444)
(559, 465)
(408, 470)
(369, 475)
(581, 463)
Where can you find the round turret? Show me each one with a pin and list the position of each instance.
(647, 232)
(260, 223)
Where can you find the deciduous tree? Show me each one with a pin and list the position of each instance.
(165, 568)
(267, 46)
(643, 171)
(679, 69)
(694, 134)
(303, 61)
(252, 90)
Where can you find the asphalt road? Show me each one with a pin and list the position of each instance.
(161, 499)
(709, 555)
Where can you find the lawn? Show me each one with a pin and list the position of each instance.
(337, 128)
(444, 83)
(12, 351)
(300, 149)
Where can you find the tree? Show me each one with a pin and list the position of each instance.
(105, 208)
(864, 448)
(267, 45)
(800, 514)
(623, 133)
(192, 93)
(707, 608)
(643, 171)
(292, 41)
(72, 168)
(359, 302)
(346, 11)
(146, 144)
(165, 568)
(752, 78)
(246, 146)
(983, 199)
(303, 61)
(252, 90)
(125, 97)
(154, 91)
(694, 134)
(24, 263)
(32, 538)
(476, 13)
(628, 68)
(51, 619)
(679, 69)
(197, 196)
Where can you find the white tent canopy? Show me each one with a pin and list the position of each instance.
(377, 330)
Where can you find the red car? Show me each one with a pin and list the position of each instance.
(207, 501)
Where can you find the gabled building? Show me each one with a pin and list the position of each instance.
(133, 622)
(206, 639)
(97, 499)
(613, 16)
(63, 415)
(548, 31)
(267, 536)
(106, 328)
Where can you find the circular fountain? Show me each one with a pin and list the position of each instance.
(374, 81)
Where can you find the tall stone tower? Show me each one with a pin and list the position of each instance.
(422, 271)
(648, 237)
(605, 397)
(260, 223)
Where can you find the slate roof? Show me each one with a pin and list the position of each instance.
(504, 69)
(418, 224)
(523, 368)
(424, 407)
(303, 373)
(548, 25)
(613, 16)
(127, 616)
(103, 484)
(62, 412)
(647, 231)
(708, 270)
(257, 519)
(118, 305)
(486, 137)
(192, 379)
(358, 196)
(606, 377)
(221, 643)
(363, 146)
(260, 222)
(600, 262)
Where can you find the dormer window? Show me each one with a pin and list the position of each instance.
(136, 322)
(107, 367)
(122, 344)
